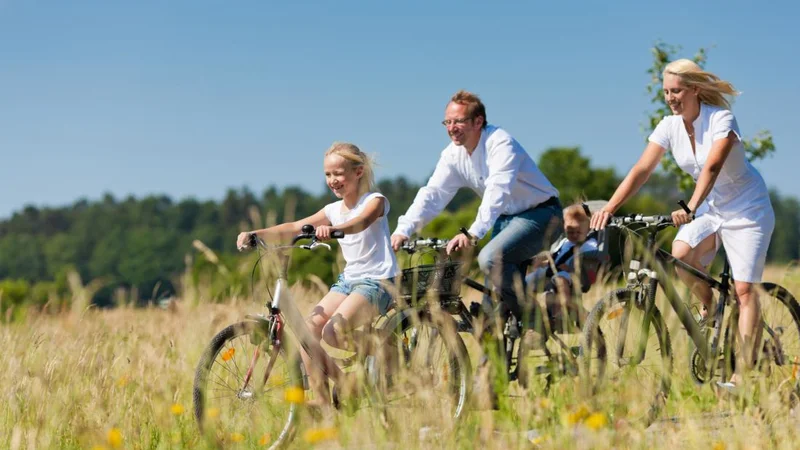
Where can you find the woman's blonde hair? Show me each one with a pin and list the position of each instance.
(356, 158)
(712, 89)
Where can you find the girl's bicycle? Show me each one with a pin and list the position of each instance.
(250, 382)
(626, 346)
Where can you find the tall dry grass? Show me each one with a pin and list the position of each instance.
(122, 378)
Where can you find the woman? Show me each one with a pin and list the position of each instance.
(730, 202)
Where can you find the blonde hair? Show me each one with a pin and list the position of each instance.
(356, 158)
(712, 89)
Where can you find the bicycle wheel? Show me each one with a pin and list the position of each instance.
(422, 365)
(624, 384)
(778, 357)
(236, 398)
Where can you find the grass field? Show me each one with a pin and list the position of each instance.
(123, 379)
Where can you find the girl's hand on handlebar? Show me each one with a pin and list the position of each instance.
(600, 219)
(324, 232)
(243, 240)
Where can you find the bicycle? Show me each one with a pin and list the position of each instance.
(629, 324)
(556, 358)
(251, 380)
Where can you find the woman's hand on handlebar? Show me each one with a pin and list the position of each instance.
(600, 219)
(681, 217)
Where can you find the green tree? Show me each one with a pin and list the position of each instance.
(580, 180)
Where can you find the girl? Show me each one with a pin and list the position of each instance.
(361, 292)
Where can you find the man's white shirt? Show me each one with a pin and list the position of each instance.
(500, 171)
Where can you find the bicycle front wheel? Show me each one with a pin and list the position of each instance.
(246, 389)
(626, 367)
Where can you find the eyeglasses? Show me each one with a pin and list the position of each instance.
(448, 122)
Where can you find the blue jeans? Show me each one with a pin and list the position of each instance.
(515, 240)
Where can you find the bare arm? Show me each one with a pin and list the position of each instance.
(372, 211)
(286, 231)
(637, 176)
(708, 176)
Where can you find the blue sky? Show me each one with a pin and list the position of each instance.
(192, 98)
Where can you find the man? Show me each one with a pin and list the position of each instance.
(518, 203)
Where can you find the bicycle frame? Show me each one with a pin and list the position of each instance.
(654, 270)
(283, 311)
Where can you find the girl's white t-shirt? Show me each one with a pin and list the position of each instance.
(368, 254)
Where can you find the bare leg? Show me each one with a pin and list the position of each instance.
(314, 364)
(340, 331)
(750, 329)
(692, 256)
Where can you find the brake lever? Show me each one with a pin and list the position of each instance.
(314, 245)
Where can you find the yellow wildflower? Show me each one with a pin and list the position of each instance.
(114, 438)
(294, 395)
(320, 434)
(596, 421)
(212, 413)
(265, 439)
(123, 381)
(719, 445)
(177, 409)
(578, 415)
(237, 437)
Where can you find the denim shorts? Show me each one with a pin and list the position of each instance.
(375, 291)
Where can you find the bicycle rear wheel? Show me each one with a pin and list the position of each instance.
(625, 385)
(777, 360)
(246, 389)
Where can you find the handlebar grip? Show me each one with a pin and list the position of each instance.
(338, 234)
(252, 240)
(685, 207)
(586, 209)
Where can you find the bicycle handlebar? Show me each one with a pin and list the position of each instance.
(640, 218)
(434, 243)
(254, 241)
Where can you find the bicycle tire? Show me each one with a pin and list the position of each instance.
(401, 346)
(292, 377)
(594, 347)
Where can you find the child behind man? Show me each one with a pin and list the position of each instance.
(558, 284)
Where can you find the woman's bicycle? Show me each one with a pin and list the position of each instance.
(251, 383)
(626, 354)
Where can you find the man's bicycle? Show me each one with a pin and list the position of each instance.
(534, 365)
(251, 383)
(626, 346)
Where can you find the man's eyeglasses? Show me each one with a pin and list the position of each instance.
(448, 122)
